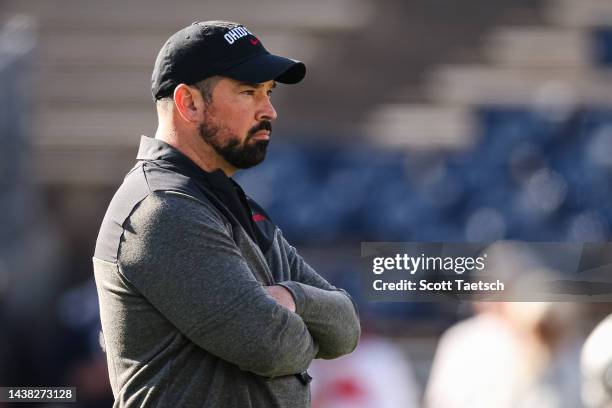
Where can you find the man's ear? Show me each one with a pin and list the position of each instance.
(189, 103)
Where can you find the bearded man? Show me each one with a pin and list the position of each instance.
(203, 302)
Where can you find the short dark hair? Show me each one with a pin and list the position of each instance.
(205, 86)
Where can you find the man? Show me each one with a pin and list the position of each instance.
(203, 302)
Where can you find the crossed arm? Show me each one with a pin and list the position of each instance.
(179, 255)
(331, 320)
(282, 296)
(329, 313)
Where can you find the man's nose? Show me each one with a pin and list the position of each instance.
(267, 111)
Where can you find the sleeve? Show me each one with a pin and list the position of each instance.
(330, 313)
(178, 253)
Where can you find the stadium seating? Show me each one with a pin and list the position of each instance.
(537, 172)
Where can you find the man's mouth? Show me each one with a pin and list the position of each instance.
(261, 135)
(261, 131)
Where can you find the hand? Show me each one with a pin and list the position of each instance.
(282, 296)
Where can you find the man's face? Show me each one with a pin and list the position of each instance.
(238, 121)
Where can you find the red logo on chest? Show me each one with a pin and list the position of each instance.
(258, 217)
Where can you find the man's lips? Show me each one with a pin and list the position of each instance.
(261, 135)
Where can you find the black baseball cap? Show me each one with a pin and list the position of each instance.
(209, 48)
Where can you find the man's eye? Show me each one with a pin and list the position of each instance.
(248, 92)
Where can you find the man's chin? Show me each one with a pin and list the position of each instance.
(261, 143)
(249, 157)
(252, 162)
(257, 152)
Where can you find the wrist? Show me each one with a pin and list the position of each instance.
(296, 292)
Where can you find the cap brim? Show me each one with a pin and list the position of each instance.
(268, 67)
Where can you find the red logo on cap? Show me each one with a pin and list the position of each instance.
(254, 41)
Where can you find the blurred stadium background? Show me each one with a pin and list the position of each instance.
(428, 120)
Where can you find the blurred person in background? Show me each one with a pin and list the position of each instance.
(509, 354)
(378, 374)
(203, 302)
(596, 367)
(83, 361)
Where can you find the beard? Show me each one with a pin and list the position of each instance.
(241, 155)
